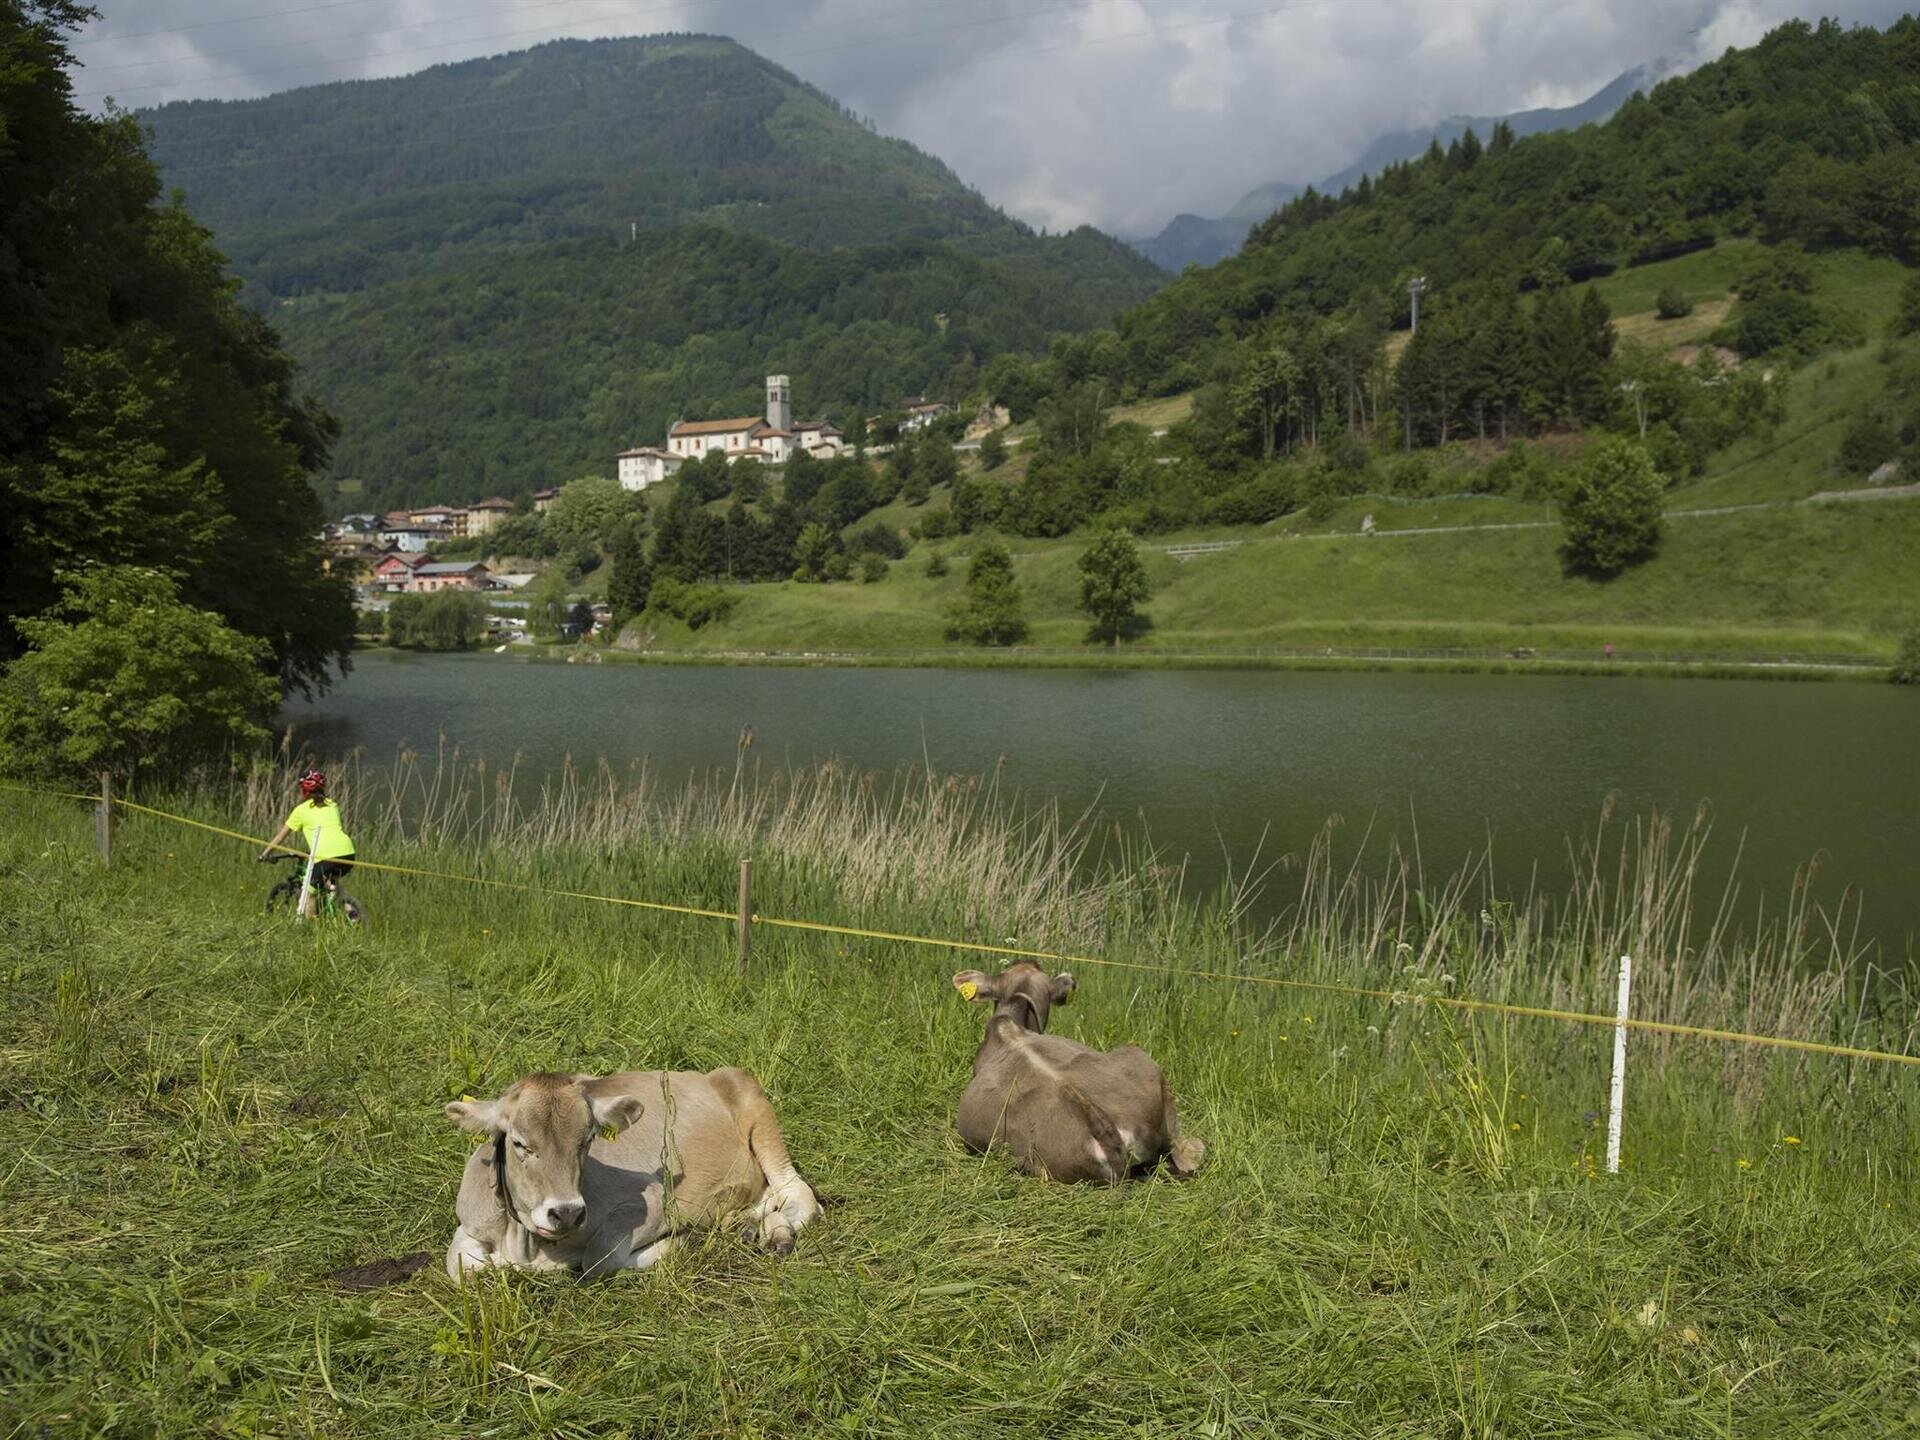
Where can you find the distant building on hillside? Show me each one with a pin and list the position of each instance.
(448, 575)
(485, 516)
(769, 439)
(646, 465)
(542, 499)
(922, 412)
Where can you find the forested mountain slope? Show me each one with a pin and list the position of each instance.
(501, 272)
(342, 186)
(1809, 135)
(522, 370)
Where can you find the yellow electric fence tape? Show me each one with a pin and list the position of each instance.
(1497, 1007)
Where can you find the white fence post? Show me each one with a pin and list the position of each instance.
(1619, 1067)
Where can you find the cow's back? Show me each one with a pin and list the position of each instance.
(688, 1143)
(1066, 1110)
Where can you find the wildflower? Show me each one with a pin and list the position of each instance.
(1514, 1126)
(1308, 1019)
(1745, 1164)
(1789, 1139)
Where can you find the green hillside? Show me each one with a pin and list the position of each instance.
(348, 185)
(552, 254)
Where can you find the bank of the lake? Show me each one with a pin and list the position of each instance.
(1240, 767)
(1832, 581)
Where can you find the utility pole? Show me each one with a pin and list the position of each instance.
(1416, 287)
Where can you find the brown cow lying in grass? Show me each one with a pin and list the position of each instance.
(1061, 1109)
(576, 1175)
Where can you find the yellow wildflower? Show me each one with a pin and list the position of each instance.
(1789, 1139)
(1516, 1125)
(1745, 1164)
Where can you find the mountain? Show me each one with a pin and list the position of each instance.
(1809, 136)
(1198, 240)
(439, 188)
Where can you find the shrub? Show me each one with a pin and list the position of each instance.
(877, 539)
(936, 524)
(936, 565)
(872, 567)
(1672, 303)
(993, 450)
(1906, 664)
(1867, 445)
(697, 605)
(1612, 513)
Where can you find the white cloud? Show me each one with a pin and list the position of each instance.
(1114, 112)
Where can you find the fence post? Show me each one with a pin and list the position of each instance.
(103, 819)
(1619, 1068)
(746, 914)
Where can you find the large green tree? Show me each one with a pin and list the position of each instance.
(1113, 581)
(1612, 514)
(147, 418)
(992, 612)
(123, 675)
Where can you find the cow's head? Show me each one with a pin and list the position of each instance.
(542, 1127)
(1023, 991)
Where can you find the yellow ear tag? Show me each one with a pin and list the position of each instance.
(607, 1132)
(968, 990)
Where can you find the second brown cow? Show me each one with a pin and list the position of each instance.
(1060, 1108)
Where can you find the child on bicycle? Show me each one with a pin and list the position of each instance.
(316, 819)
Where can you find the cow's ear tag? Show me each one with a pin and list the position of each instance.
(968, 990)
(607, 1132)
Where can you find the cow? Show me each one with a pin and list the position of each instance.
(603, 1173)
(1060, 1108)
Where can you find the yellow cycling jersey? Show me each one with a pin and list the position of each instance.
(322, 829)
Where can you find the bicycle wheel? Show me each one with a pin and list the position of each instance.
(350, 908)
(281, 896)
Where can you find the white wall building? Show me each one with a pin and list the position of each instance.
(646, 465)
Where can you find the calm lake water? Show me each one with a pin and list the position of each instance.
(1209, 761)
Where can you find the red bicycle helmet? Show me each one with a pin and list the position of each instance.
(311, 784)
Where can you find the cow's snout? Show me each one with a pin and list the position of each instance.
(565, 1215)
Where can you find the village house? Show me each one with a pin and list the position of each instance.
(485, 516)
(394, 574)
(353, 558)
(447, 575)
(446, 517)
(645, 465)
(922, 412)
(542, 499)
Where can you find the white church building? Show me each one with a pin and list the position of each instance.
(768, 439)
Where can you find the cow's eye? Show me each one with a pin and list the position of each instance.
(520, 1145)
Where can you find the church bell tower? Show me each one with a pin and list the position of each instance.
(779, 402)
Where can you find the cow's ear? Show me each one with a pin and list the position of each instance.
(482, 1117)
(615, 1113)
(972, 985)
(1060, 988)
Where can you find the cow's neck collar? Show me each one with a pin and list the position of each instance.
(500, 1181)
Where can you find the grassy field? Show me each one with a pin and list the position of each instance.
(1829, 579)
(1404, 1229)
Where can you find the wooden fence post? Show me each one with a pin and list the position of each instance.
(103, 819)
(746, 913)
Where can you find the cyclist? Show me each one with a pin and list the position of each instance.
(317, 820)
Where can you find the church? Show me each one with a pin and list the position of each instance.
(765, 439)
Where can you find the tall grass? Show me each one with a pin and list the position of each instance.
(952, 857)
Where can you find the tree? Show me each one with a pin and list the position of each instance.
(1113, 581)
(991, 612)
(632, 573)
(1672, 303)
(1906, 664)
(813, 551)
(873, 566)
(148, 418)
(123, 675)
(586, 512)
(1612, 514)
(444, 620)
(547, 604)
(993, 450)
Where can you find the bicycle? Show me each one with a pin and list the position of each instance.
(330, 901)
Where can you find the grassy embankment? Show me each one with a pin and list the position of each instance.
(1789, 579)
(1402, 1230)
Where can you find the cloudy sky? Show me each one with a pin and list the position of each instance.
(1115, 112)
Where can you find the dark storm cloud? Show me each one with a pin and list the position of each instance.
(1114, 112)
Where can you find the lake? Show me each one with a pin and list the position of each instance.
(1210, 761)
